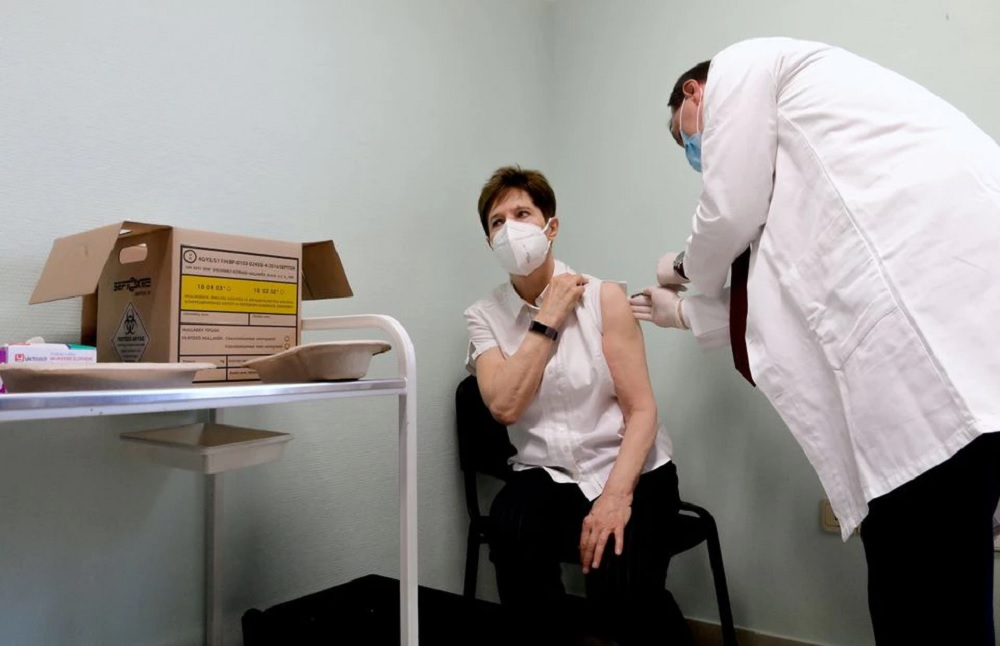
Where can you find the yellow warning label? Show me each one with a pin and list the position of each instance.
(207, 294)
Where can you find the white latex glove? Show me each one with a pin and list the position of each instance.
(661, 305)
(665, 274)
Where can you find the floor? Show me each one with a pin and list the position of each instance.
(366, 611)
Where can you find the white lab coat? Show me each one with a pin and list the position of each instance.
(873, 209)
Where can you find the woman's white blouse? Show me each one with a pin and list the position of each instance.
(574, 426)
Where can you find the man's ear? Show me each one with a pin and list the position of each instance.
(694, 90)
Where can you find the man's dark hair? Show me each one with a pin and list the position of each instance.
(509, 178)
(698, 73)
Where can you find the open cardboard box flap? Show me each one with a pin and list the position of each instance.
(323, 274)
(75, 264)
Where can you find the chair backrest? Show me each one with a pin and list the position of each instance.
(483, 443)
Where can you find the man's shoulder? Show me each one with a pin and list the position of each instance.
(759, 49)
(758, 65)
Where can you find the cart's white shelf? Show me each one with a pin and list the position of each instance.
(207, 448)
(43, 406)
(26, 406)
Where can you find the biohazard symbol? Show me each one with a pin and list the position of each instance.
(130, 338)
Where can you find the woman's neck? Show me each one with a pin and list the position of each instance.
(530, 287)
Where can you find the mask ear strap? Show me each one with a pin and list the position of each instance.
(680, 119)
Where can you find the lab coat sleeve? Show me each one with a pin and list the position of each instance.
(739, 144)
(709, 319)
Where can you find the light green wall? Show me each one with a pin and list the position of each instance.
(375, 123)
(627, 195)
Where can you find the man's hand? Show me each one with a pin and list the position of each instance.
(661, 305)
(607, 518)
(666, 275)
(561, 297)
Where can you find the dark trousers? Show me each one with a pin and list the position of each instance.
(929, 547)
(536, 526)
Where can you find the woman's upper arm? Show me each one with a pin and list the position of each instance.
(487, 365)
(481, 337)
(625, 350)
(484, 357)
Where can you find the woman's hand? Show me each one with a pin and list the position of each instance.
(607, 518)
(563, 294)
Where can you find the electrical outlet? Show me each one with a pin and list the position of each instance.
(829, 523)
(827, 520)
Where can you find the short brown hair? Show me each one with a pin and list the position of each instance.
(697, 73)
(509, 178)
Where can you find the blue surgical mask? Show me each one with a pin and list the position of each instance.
(692, 143)
(692, 149)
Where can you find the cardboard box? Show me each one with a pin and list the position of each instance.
(45, 353)
(163, 294)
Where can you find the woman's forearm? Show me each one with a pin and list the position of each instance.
(514, 382)
(640, 433)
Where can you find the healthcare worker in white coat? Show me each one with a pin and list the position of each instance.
(860, 215)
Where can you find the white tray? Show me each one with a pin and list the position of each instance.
(329, 361)
(63, 377)
(207, 448)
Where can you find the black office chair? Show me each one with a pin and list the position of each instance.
(484, 447)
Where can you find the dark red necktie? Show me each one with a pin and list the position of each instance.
(738, 315)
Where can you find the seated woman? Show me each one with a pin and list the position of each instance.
(560, 360)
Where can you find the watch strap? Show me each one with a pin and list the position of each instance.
(679, 265)
(544, 330)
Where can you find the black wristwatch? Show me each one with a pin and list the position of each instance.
(543, 329)
(679, 265)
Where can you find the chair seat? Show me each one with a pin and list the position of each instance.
(689, 532)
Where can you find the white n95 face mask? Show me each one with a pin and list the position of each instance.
(521, 247)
